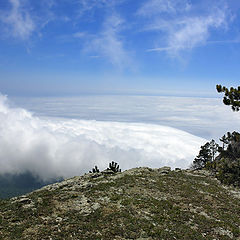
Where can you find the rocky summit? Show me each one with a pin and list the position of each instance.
(140, 203)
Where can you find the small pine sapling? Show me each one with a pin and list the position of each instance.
(114, 167)
(94, 170)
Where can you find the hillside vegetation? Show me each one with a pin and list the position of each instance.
(140, 203)
(223, 161)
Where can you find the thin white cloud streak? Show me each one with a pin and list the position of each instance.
(160, 49)
(90, 6)
(155, 7)
(109, 44)
(79, 35)
(180, 28)
(86, 6)
(165, 49)
(19, 20)
(51, 148)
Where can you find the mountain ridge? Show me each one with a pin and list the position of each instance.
(140, 203)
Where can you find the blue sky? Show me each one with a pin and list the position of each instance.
(59, 47)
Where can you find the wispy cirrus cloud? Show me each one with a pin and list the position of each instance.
(104, 38)
(180, 26)
(105, 42)
(19, 21)
(80, 35)
(86, 6)
(23, 18)
(99, 25)
(154, 7)
(108, 42)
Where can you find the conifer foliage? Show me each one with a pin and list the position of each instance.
(232, 96)
(206, 155)
(114, 167)
(94, 170)
(228, 162)
(223, 161)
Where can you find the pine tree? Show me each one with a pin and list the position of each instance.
(232, 96)
(203, 157)
(213, 149)
(224, 141)
(227, 164)
(206, 155)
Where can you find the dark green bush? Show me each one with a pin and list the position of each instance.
(228, 171)
(114, 167)
(94, 170)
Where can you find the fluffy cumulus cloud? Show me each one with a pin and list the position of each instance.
(51, 148)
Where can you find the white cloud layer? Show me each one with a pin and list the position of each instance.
(205, 117)
(51, 148)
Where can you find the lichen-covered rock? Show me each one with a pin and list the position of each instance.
(23, 200)
(164, 170)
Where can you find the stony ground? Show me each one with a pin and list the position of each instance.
(140, 203)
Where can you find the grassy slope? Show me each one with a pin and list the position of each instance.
(139, 203)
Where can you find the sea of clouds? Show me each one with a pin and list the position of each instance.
(205, 117)
(51, 147)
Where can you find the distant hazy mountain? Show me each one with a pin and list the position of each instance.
(12, 185)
